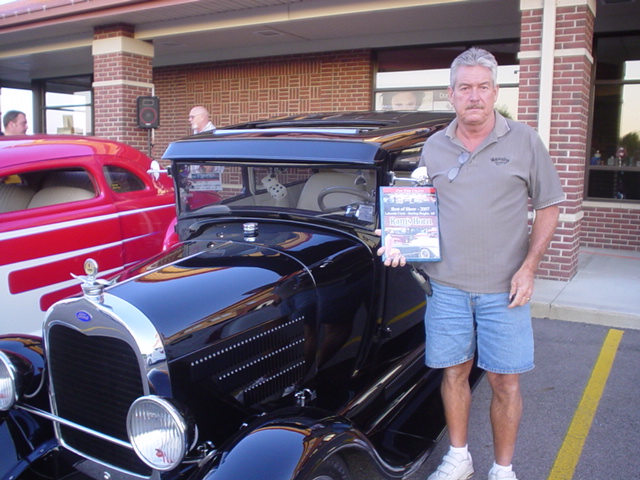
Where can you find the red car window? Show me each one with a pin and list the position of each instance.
(44, 188)
(122, 180)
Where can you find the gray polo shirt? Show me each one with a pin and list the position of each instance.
(484, 210)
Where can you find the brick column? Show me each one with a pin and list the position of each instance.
(122, 72)
(569, 42)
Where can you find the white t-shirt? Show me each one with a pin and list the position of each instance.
(209, 126)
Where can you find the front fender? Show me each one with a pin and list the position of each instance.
(25, 438)
(28, 352)
(17, 454)
(284, 448)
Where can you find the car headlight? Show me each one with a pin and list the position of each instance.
(9, 387)
(159, 432)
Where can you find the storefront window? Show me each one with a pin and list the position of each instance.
(69, 106)
(417, 78)
(614, 159)
(18, 99)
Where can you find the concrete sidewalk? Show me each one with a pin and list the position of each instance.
(605, 291)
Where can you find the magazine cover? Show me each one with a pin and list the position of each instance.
(409, 222)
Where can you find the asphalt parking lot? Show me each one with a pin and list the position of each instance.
(582, 408)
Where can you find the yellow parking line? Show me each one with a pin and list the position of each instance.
(571, 449)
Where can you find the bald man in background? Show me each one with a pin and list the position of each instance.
(199, 119)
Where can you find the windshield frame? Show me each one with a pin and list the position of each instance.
(254, 189)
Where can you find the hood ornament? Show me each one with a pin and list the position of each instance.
(92, 287)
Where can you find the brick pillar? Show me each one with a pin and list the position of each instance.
(122, 72)
(569, 86)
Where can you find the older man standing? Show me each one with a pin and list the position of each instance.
(486, 169)
(199, 119)
(15, 123)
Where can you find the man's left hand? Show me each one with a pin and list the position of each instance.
(521, 288)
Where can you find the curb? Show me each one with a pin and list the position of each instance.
(585, 315)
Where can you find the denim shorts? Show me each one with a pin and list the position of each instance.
(457, 321)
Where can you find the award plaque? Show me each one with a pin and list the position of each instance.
(409, 221)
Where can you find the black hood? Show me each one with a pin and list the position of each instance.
(193, 293)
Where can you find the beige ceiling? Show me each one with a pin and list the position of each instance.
(38, 42)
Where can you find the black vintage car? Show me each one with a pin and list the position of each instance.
(268, 342)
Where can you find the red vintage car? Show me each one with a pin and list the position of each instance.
(66, 198)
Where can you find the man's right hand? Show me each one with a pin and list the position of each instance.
(393, 257)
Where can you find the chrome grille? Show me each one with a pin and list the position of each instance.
(95, 379)
(257, 364)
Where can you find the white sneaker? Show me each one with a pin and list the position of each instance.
(502, 475)
(454, 466)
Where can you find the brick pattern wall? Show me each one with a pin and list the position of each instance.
(615, 227)
(602, 226)
(529, 88)
(244, 90)
(114, 30)
(569, 126)
(569, 119)
(115, 114)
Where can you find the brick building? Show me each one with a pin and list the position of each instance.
(244, 60)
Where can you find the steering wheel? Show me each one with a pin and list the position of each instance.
(344, 190)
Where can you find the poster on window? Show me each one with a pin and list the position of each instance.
(412, 100)
(409, 222)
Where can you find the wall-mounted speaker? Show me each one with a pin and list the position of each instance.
(148, 110)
